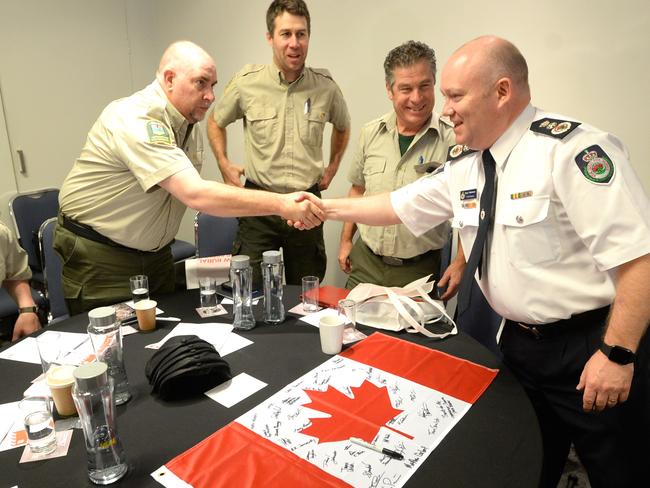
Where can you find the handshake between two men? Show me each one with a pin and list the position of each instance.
(305, 210)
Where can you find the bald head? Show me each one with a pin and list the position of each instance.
(495, 58)
(187, 74)
(485, 83)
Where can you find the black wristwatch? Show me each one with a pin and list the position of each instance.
(31, 309)
(618, 354)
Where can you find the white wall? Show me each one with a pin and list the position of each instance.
(587, 59)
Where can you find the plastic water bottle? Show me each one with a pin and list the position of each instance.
(241, 277)
(272, 276)
(93, 397)
(106, 337)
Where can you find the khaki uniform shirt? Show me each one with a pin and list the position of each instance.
(378, 167)
(283, 123)
(13, 258)
(136, 143)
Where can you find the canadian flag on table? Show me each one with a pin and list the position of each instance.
(393, 393)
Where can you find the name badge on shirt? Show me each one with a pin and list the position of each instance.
(468, 198)
(468, 194)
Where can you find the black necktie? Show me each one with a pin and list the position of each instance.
(480, 244)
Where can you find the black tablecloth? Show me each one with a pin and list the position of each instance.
(497, 443)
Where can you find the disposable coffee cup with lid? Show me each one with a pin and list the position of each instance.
(60, 380)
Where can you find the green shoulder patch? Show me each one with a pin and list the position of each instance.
(554, 127)
(595, 165)
(158, 133)
(458, 151)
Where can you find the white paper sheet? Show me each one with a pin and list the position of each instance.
(233, 343)
(235, 390)
(27, 351)
(212, 332)
(314, 318)
(11, 425)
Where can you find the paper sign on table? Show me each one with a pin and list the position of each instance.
(217, 267)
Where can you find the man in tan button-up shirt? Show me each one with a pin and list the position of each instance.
(14, 277)
(122, 202)
(285, 107)
(394, 150)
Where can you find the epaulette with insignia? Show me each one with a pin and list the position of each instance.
(554, 127)
(458, 151)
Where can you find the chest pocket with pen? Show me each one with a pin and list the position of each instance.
(529, 230)
(312, 124)
(262, 124)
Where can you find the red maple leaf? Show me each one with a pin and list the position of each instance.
(360, 416)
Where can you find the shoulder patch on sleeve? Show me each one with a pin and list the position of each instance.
(158, 133)
(595, 165)
(323, 72)
(458, 151)
(554, 127)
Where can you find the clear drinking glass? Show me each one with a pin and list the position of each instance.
(39, 424)
(347, 309)
(208, 289)
(49, 348)
(310, 293)
(139, 287)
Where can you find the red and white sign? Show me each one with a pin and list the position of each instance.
(395, 394)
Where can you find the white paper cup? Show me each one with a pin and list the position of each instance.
(331, 334)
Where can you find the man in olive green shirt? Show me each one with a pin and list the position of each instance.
(122, 202)
(14, 277)
(394, 150)
(285, 107)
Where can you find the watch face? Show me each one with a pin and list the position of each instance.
(621, 355)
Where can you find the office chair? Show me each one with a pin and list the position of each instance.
(28, 211)
(181, 250)
(52, 271)
(214, 236)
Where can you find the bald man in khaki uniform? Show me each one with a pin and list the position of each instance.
(14, 277)
(122, 202)
(285, 107)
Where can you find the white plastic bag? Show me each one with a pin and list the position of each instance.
(396, 308)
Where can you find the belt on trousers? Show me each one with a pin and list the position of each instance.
(91, 234)
(393, 261)
(249, 184)
(555, 329)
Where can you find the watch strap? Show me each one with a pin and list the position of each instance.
(32, 309)
(618, 354)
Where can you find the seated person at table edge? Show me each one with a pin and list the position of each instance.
(122, 203)
(285, 106)
(14, 276)
(398, 148)
(558, 225)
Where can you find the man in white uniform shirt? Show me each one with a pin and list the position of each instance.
(567, 259)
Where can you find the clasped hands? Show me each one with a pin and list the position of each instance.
(303, 210)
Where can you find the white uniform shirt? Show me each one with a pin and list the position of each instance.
(557, 235)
